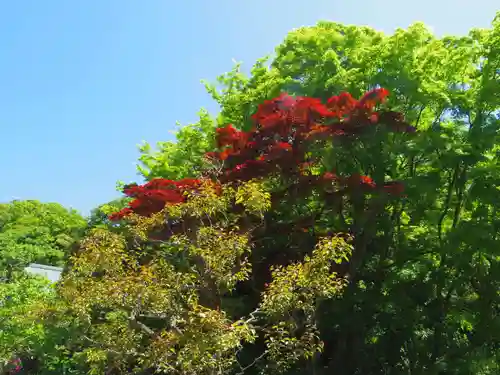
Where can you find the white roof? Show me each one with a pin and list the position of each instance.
(50, 272)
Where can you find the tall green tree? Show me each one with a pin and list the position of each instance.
(31, 231)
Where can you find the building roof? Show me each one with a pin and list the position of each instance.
(50, 272)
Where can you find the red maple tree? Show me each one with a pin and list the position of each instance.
(279, 144)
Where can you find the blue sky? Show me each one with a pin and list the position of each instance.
(83, 82)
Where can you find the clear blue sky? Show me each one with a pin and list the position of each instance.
(83, 82)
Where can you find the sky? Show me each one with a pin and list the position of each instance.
(83, 82)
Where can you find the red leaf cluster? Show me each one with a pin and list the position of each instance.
(286, 125)
(154, 195)
(284, 128)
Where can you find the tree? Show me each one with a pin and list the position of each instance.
(22, 336)
(99, 215)
(426, 287)
(31, 231)
(192, 259)
(183, 158)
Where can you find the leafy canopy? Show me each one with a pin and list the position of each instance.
(145, 294)
(31, 231)
(317, 237)
(427, 283)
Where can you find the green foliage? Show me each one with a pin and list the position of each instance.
(163, 303)
(17, 300)
(427, 283)
(24, 334)
(300, 285)
(292, 298)
(99, 215)
(253, 198)
(184, 158)
(31, 231)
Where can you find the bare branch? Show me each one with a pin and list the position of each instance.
(254, 362)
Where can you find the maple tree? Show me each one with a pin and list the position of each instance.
(286, 128)
(191, 251)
